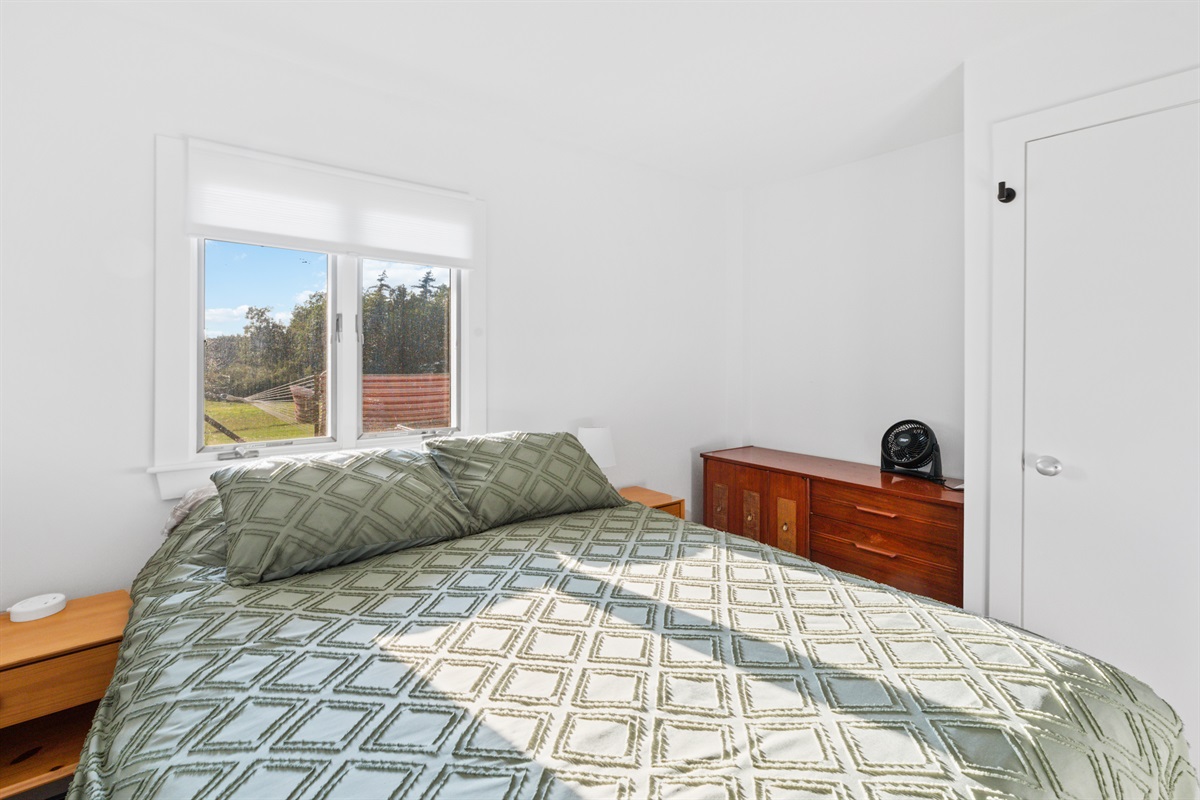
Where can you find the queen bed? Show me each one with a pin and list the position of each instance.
(605, 650)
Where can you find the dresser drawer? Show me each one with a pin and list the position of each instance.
(883, 511)
(887, 566)
(938, 547)
(38, 689)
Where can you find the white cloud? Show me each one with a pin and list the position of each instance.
(302, 297)
(223, 315)
(282, 317)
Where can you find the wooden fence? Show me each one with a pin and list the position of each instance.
(405, 401)
(390, 402)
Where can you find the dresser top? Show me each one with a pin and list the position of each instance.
(847, 472)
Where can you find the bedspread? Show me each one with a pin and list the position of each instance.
(615, 653)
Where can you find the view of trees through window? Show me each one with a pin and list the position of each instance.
(266, 345)
(406, 347)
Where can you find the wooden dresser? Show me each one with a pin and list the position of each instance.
(902, 531)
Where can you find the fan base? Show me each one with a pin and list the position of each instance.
(912, 473)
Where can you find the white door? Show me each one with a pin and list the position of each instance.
(1110, 551)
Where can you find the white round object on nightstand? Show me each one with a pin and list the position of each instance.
(37, 607)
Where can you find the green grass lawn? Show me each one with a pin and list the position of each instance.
(251, 423)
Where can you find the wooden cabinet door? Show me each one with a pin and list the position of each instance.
(734, 499)
(717, 477)
(787, 513)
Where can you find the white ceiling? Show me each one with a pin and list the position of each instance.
(725, 93)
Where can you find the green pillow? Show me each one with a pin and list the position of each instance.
(307, 513)
(509, 477)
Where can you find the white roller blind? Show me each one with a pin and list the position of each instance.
(246, 195)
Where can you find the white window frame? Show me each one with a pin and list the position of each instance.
(333, 344)
(181, 462)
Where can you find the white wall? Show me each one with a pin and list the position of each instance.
(602, 282)
(1129, 44)
(853, 305)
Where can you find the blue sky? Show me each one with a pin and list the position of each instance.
(237, 276)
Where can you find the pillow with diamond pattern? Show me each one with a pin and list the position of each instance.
(308, 513)
(510, 477)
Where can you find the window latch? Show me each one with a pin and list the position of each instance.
(236, 453)
(337, 326)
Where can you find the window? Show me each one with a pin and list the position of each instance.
(266, 363)
(406, 347)
(304, 307)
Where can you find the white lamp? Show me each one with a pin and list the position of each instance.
(599, 444)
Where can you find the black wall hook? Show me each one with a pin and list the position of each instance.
(1005, 195)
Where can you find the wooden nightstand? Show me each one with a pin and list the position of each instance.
(649, 497)
(53, 672)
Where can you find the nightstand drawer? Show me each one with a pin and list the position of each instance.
(35, 690)
(887, 566)
(935, 546)
(674, 509)
(882, 511)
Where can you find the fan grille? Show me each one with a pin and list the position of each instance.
(909, 445)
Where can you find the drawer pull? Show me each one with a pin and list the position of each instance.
(875, 550)
(876, 513)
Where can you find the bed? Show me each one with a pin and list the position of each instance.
(612, 652)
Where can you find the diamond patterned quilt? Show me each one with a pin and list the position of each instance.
(614, 653)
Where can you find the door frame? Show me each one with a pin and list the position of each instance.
(1006, 427)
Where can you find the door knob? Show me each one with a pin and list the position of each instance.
(1048, 466)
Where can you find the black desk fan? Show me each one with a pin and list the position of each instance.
(909, 447)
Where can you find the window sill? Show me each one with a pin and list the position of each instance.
(175, 480)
